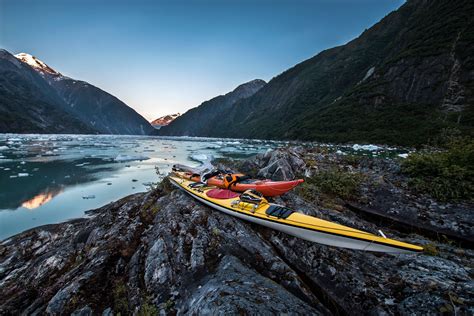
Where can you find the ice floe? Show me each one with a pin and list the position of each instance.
(124, 158)
(366, 147)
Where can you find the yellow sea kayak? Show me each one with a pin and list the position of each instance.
(250, 208)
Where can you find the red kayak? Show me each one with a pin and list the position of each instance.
(239, 183)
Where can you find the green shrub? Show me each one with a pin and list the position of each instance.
(431, 249)
(334, 182)
(445, 175)
(147, 308)
(120, 297)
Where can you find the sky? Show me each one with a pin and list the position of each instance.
(163, 57)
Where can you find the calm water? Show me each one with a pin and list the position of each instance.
(47, 179)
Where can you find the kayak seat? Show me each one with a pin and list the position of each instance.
(221, 194)
(279, 211)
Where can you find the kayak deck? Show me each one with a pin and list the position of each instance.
(298, 224)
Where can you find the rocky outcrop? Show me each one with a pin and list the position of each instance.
(164, 252)
(384, 192)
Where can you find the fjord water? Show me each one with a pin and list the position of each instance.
(52, 178)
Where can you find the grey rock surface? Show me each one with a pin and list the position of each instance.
(163, 252)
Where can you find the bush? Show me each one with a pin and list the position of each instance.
(446, 175)
(334, 182)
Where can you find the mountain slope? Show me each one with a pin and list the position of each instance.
(93, 106)
(199, 121)
(400, 82)
(28, 104)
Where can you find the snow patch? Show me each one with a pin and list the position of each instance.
(36, 63)
(369, 73)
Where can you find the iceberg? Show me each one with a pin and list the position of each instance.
(199, 157)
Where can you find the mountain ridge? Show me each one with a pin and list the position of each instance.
(198, 120)
(78, 107)
(402, 81)
(28, 104)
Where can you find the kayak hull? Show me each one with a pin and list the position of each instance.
(267, 188)
(330, 234)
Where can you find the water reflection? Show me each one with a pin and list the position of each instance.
(47, 177)
(41, 198)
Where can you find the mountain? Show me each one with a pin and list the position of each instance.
(35, 98)
(199, 121)
(400, 82)
(28, 104)
(102, 111)
(164, 120)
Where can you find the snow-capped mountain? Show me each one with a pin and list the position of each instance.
(164, 120)
(29, 104)
(95, 108)
(36, 63)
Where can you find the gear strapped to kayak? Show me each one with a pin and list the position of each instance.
(253, 207)
(237, 181)
(234, 178)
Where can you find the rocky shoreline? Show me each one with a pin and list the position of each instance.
(163, 252)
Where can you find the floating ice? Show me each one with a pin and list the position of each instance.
(199, 157)
(213, 146)
(82, 164)
(403, 155)
(23, 174)
(365, 147)
(4, 147)
(124, 158)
